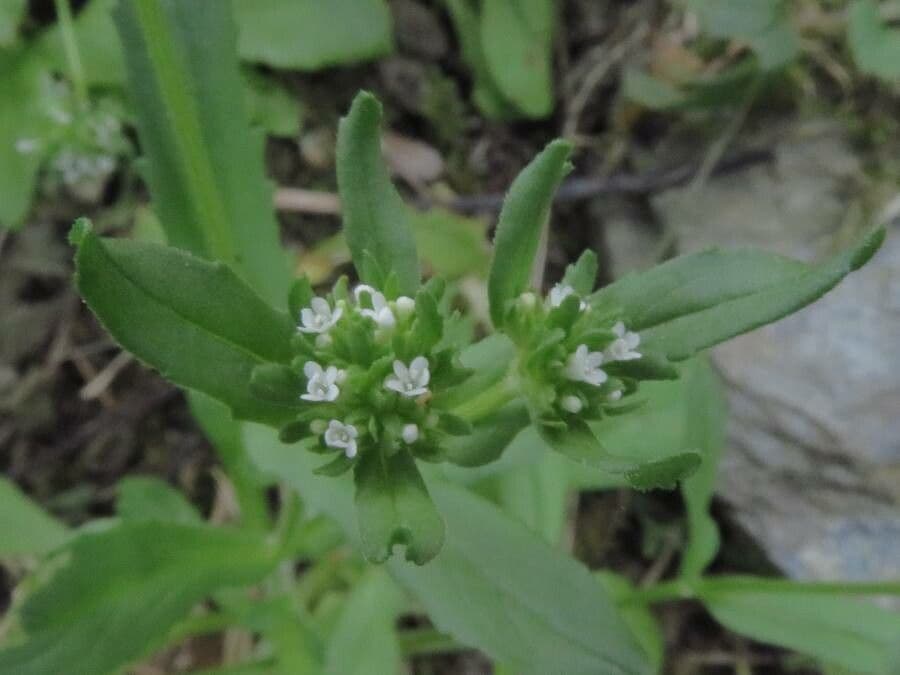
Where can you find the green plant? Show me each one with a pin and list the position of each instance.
(386, 379)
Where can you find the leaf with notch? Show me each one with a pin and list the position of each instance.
(394, 507)
(193, 320)
(696, 301)
(525, 211)
(376, 222)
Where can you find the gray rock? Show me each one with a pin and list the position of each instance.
(813, 464)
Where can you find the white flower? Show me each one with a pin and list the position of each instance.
(320, 385)
(380, 313)
(559, 293)
(571, 404)
(584, 366)
(318, 317)
(26, 146)
(614, 395)
(411, 381)
(623, 347)
(410, 433)
(340, 435)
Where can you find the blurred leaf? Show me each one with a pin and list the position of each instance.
(495, 585)
(193, 320)
(875, 46)
(705, 432)
(148, 498)
(98, 46)
(26, 528)
(24, 123)
(538, 494)
(726, 88)
(696, 301)
(763, 24)
(839, 630)
(11, 14)
(394, 507)
(310, 34)
(271, 106)
(452, 245)
(525, 211)
(364, 640)
(376, 222)
(204, 165)
(113, 596)
(517, 42)
(485, 92)
(643, 624)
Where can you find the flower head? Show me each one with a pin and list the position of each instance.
(409, 381)
(559, 293)
(584, 366)
(340, 435)
(380, 313)
(321, 383)
(623, 347)
(318, 317)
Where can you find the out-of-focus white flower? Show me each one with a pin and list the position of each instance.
(318, 317)
(409, 381)
(410, 433)
(571, 404)
(614, 395)
(380, 312)
(405, 306)
(559, 293)
(584, 366)
(343, 436)
(624, 346)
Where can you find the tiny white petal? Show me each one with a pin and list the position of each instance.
(584, 366)
(614, 395)
(405, 305)
(409, 380)
(312, 369)
(341, 436)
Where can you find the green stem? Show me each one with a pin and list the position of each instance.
(488, 401)
(683, 589)
(426, 641)
(73, 56)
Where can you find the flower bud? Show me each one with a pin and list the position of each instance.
(405, 306)
(571, 404)
(410, 433)
(528, 300)
(318, 427)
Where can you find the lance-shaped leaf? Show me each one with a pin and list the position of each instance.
(699, 300)
(522, 218)
(195, 321)
(203, 163)
(117, 594)
(394, 507)
(495, 585)
(376, 223)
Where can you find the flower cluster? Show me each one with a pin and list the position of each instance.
(576, 358)
(368, 373)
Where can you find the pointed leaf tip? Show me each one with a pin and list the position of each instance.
(80, 229)
(868, 247)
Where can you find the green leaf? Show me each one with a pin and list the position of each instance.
(148, 498)
(663, 473)
(489, 437)
(874, 45)
(203, 163)
(271, 106)
(195, 321)
(546, 616)
(705, 432)
(839, 630)
(517, 41)
(26, 528)
(375, 218)
(364, 640)
(451, 245)
(696, 301)
(582, 275)
(310, 34)
(640, 619)
(394, 507)
(763, 24)
(113, 596)
(525, 211)
(11, 14)
(538, 495)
